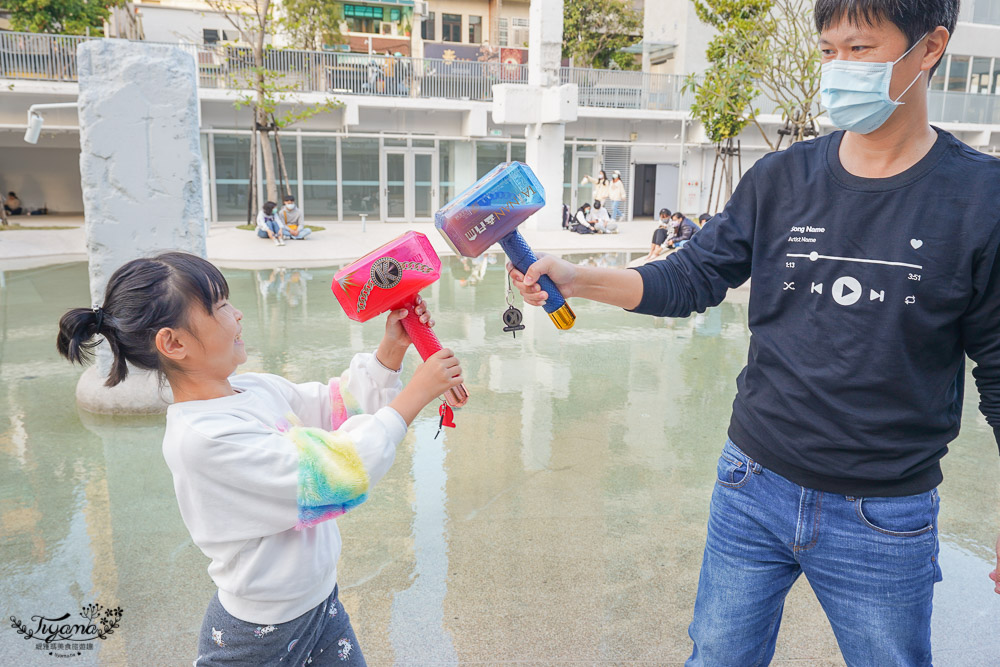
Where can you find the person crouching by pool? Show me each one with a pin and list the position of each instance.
(662, 232)
(291, 217)
(600, 219)
(261, 465)
(267, 225)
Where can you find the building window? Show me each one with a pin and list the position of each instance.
(394, 14)
(428, 29)
(362, 18)
(937, 81)
(319, 183)
(502, 32)
(488, 155)
(980, 82)
(210, 36)
(232, 175)
(520, 32)
(958, 74)
(359, 159)
(986, 11)
(475, 29)
(451, 27)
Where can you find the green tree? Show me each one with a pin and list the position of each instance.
(66, 17)
(595, 32)
(311, 24)
(788, 70)
(267, 90)
(724, 95)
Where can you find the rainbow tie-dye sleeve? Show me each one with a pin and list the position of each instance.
(332, 477)
(343, 404)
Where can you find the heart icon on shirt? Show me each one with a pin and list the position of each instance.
(916, 243)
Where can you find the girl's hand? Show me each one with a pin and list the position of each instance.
(432, 378)
(396, 341)
(395, 334)
(437, 375)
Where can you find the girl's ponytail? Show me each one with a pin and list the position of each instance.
(77, 329)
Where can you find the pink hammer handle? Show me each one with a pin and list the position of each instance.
(427, 343)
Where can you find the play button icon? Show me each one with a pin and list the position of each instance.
(846, 291)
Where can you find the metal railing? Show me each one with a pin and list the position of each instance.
(620, 89)
(41, 57)
(53, 58)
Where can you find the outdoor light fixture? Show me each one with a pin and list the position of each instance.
(35, 120)
(34, 128)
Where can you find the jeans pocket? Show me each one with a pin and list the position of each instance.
(903, 516)
(734, 467)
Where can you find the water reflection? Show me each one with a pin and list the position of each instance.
(562, 520)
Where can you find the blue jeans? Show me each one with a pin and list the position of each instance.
(272, 225)
(616, 210)
(872, 563)
(303, 232)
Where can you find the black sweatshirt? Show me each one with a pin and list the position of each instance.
(866, 295)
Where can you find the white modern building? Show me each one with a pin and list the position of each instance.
(413, 131)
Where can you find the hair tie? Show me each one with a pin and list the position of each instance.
(100, 316)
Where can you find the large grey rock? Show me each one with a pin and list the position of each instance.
(140, 166)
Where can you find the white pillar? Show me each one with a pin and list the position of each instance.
(546, 141)
(141, 172)
(544, 154)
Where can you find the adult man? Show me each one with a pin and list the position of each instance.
(854, 380)
(291, 218)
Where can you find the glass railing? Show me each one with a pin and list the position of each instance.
(952, 107)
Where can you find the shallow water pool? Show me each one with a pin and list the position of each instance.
(562, 521)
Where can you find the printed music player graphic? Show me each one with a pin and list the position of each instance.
(847, 290)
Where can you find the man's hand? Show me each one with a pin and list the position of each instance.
(995, 574)
(559, 271)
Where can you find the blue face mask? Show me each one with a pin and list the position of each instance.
(856, 94)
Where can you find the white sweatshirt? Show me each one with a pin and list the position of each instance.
(240, 478)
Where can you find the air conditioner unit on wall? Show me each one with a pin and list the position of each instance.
(420, 7)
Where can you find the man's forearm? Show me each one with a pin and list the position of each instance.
(617, 287)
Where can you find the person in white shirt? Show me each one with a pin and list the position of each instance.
(616, 193)
(601, 186)
(268, 226)
(261, 465)
(601, 220)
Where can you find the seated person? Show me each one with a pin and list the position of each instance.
(600, 219)
(291, 216)
(267, 225)
(703, 218)
(660, 235)
(683, 232)
(12, 204)
(581, 222)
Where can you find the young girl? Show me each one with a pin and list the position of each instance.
(261, 465)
